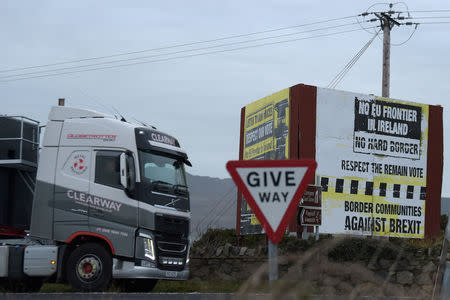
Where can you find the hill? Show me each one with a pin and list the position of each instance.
(213, 203)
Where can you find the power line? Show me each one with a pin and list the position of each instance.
(219, 215)
(224, 211)
(399, 17)
(208, 215)
(174, 46)
(362, 27)
(438, 10)
(338, 78)
(410, 36)
(220, 200)
(213, 218)
(422, 23)
(388, 19)
(180, 57)
(428, 17)
(172, 53)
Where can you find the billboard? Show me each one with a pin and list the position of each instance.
(380, 160)
(372, 164)
(266, 136)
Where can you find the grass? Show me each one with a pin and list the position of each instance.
(163, 286)
(190, 286)
(219, 237)
(55, 288)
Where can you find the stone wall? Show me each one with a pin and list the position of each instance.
(388, 271)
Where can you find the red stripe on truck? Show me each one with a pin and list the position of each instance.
(86, 233)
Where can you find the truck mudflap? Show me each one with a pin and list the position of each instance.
(128, 269)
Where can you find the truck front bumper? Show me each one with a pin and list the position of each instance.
(128, 270)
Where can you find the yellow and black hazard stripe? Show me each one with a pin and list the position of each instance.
(381, 189)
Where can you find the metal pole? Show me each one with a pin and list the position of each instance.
(386, 57)
(273, 261)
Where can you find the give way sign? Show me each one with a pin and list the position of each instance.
(273, 189)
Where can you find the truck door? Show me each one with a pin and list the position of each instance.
(112, 213)
(71, 189)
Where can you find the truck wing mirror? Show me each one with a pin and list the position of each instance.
(123, 170)
(131, 173)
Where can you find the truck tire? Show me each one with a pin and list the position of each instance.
(89, 268)
(138, 285)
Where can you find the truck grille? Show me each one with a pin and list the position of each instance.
(172, 225)
(171, 237)
(171, 251)
(172, 247)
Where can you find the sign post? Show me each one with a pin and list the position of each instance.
(311, 208)
(273, 260)
(272, 189)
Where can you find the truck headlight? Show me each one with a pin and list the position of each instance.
(149, 250)
(187, 255)
(145, 246)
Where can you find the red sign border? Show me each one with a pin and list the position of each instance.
(311, 164)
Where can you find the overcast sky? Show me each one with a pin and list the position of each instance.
(198, 99)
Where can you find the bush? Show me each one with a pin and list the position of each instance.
(219, 237)
(353, 249)
(216, 238)
(254, 240)
(290, 244)
(389, 251)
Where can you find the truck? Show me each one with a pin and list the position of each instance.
(100, 199)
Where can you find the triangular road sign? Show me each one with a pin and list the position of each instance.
(273, 189)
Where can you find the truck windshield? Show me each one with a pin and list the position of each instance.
(157, 168)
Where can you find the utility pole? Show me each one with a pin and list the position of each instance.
(386, 24)
(386, 58)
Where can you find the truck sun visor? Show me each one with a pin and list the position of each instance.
(153, 140)
(163, 138)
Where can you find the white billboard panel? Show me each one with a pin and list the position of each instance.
(371, 155)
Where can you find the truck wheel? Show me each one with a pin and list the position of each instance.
(138, 285)
(89, 268)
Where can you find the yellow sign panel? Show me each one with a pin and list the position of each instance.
(266, 127)
(254, 220)
(266, 136)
